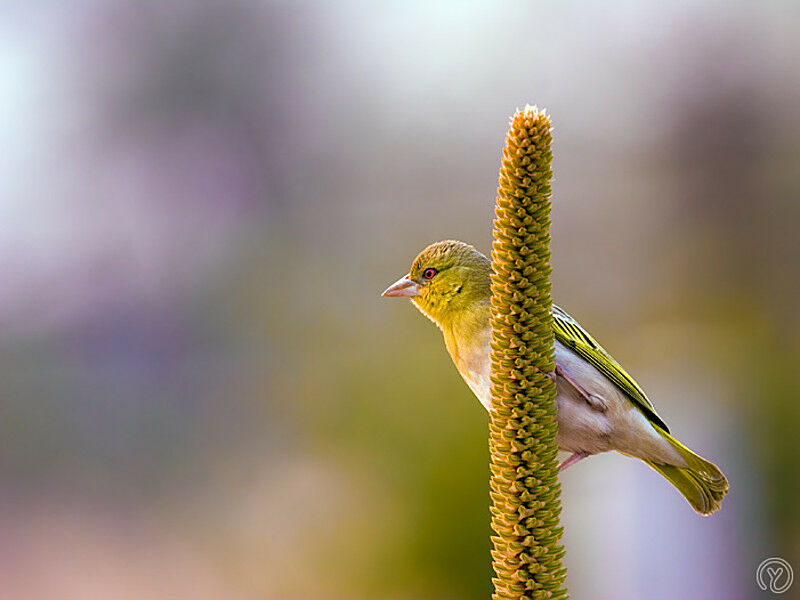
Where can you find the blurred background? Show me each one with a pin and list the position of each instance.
(203, 395)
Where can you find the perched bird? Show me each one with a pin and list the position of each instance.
(599, 406)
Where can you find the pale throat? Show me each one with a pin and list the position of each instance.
(467, 338)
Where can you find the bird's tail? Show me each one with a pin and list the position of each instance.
(700, 482)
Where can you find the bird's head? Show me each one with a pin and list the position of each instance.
(445, 279)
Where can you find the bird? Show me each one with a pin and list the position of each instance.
(599, 406)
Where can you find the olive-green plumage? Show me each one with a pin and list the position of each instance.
(462, 282)
(600, 406)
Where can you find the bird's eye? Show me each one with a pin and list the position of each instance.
(429, 273)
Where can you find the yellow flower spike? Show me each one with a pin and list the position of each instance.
(527, 552)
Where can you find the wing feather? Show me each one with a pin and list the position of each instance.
(570, 333)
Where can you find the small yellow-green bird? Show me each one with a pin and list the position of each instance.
(599, 406)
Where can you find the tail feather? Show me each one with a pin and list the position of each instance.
(700, 482)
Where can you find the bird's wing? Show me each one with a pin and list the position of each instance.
(570, 333)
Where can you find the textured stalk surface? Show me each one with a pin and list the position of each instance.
(524, 486)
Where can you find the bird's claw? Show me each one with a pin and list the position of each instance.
(575, 457)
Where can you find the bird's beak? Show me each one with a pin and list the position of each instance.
(402, 288)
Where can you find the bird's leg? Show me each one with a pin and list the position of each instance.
(596, 402)
(575, 457)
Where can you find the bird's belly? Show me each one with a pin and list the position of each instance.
(621, 426)
(581, 427)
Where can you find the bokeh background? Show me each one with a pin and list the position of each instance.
(203, 395)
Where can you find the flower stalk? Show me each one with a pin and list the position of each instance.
(524, 488)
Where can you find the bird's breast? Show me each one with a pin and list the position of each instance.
(471, 358)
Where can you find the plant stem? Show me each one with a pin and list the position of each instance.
(524, 486)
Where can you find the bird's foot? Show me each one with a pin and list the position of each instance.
(596, 402)
(575, 457)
